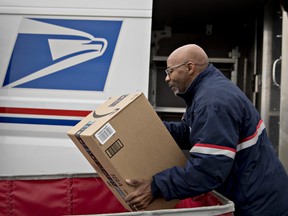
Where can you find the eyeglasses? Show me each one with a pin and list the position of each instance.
(169, 71)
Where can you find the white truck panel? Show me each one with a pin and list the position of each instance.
(34, 107)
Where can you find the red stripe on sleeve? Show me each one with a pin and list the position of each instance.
(214, 146)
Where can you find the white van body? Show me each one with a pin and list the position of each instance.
(60, 59)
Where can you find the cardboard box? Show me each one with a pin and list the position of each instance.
(125, 139)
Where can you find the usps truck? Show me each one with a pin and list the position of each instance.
(60, 59)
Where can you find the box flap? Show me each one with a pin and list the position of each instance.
(104, 112)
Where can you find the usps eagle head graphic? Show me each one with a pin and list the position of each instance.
(63, 54)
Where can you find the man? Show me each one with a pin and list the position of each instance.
(230, 151)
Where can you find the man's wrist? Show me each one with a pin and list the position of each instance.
(155, 190)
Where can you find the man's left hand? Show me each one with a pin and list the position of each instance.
(142, 196)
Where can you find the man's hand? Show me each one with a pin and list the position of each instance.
(142, 196)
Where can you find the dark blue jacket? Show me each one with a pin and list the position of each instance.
(229, 148)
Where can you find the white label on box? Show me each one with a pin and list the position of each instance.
(105, 133)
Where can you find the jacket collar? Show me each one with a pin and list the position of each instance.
(190, 92)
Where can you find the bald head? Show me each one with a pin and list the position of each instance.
(190, 52)
(184, 65)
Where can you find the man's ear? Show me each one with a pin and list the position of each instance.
(190, 68)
